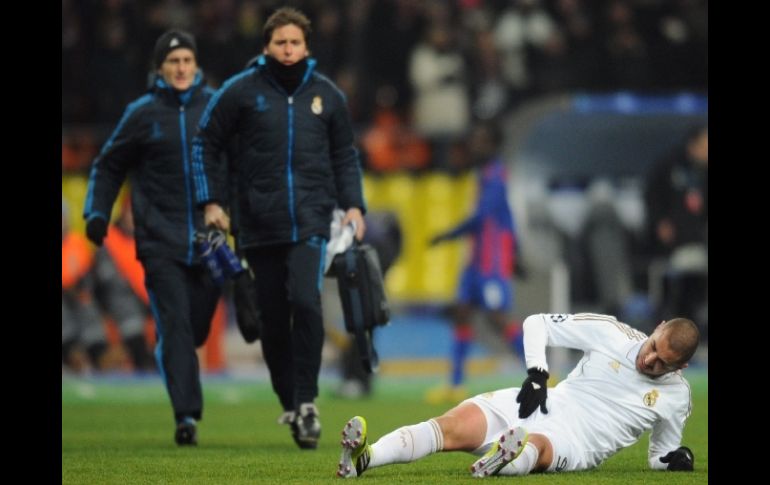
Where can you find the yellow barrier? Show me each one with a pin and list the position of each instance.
(74, 188)
(425, 205)
(73, 191)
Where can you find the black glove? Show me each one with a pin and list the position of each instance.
(679, 460)
(533, 392)
(96, 229)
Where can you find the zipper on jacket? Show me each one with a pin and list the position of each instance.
(289, 175)
(187, 181)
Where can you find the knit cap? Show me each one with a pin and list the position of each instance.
(172, 39)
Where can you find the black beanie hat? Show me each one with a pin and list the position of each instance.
(172, 39)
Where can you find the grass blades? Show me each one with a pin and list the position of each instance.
(121, 431)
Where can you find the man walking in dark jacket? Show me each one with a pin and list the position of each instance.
(677, 201)
(152, 143)
(296, 162)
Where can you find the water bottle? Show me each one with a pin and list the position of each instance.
(208, 256)
(227, 259)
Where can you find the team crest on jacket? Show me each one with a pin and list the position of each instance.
(651, 398)
(262, 104)
(157, 134)
(317, 106)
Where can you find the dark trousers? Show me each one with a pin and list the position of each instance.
(288, 281)
(183, 299)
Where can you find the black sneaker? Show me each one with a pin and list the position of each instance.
(306, 428)
(186, 434)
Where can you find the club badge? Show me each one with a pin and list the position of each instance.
(651, 398)
(317, 107)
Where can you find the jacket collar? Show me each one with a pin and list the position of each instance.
(260, 62)
(161, 87)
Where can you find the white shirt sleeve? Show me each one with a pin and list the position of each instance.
(535, 341)
(666, 434)
(581, 331)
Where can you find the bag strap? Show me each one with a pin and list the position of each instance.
(366, 350)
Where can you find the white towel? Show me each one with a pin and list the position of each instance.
(341, 238)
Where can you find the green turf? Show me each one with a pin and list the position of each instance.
(122, 432)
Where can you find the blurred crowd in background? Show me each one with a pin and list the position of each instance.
(420, 68)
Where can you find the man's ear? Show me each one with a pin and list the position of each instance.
(684, 365)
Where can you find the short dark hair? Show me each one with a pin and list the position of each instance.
(683, 336)
(286, 16)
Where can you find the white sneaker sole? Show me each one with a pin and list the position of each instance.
(353, 436)
(507, 449)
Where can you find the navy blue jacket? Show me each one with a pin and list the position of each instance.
(152, 145)
(295, 157)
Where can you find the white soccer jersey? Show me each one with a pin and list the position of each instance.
(604, 404)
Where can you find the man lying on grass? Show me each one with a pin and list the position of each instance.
(625, 384)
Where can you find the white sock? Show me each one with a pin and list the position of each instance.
(407, 444)
(524, 463)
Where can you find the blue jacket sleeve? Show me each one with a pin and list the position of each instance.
(492, 204)
(111, 165)
(345, 160)
(216, 126)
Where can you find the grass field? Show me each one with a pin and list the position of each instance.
(121, 431)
